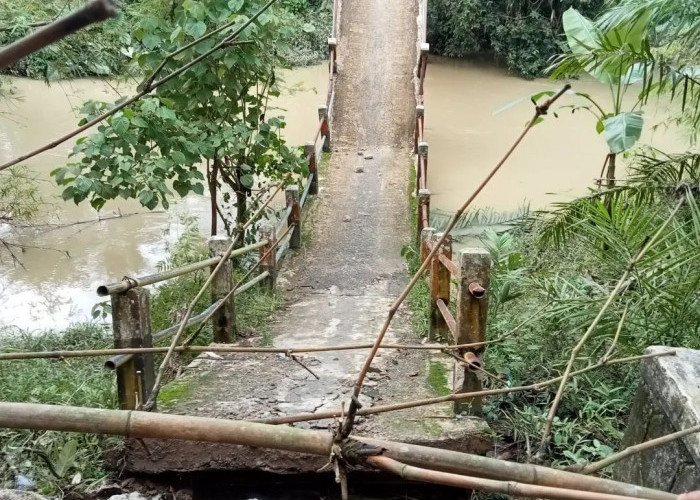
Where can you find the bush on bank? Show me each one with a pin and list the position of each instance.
(523, 34)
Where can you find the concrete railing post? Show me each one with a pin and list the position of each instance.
(472, 310)
(423, 208)
(325, 127)
(440, 278)
(292, 197)
(224, 319)
(268, 263)
(131, 323)
(310, 152)
(333, 55)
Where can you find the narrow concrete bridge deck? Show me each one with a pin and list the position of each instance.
(339, 287)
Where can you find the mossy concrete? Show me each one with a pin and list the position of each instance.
(667, 401)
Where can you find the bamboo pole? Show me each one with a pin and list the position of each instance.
(15, 356)
(511, 488)
(137, 424)
(94, 12)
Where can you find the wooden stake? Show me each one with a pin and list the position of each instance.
(310, 151)
(268, 261)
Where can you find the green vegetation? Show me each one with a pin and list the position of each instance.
(437, 378)
(559, 267)
(107, 49)
(522, 33)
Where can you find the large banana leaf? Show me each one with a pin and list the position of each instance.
(622, 131)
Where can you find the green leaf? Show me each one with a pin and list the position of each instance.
(198, 188)
(235, 5)
(178, 157)
(120, 124)
(308, 28)
(583, 38)
(139, 122)
(599, 127)
(247, 180)
(195, 29)
(83, 184)
(145, 197)
(66, 457)
(623, 131)
(151, 41)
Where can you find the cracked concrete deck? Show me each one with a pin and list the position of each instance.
(340, 286)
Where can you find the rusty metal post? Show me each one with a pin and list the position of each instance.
(131, 326)
(224, 319)
(423, 207)
(333, 54)
(268, 263)
(420, 120)
(440, 278)
(423, 174)
(424, 49)
(472, 309)
(426, 236)
(325, 127)
(310, 152)
(292, 197)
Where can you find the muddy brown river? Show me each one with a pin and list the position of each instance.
(556, 162)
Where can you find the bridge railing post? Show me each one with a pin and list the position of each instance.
(418, 133)
(424, 49)
(325, 127)
(268, 262)
(333, 56)
(422, 174)
(310, 151)
(426, 236)
(292, 198)
(440, 278)
(131, 324)
(472, 310)
(224, 319)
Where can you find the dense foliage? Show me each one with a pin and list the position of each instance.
(215, 114)
(522, 33)
(105, 49)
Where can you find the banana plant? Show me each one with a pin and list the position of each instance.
(617, 57)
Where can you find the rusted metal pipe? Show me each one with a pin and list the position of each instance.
(129, 283)
(94, 12)
(473, 362)
(476, 290)
(139, 424)
(510, 488)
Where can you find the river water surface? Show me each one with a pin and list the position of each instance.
(557, 161)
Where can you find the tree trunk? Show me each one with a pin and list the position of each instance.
(213, 178)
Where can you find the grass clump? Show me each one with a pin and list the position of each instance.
(57, 463)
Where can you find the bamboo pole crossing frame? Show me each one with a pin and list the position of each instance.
(145, 425)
